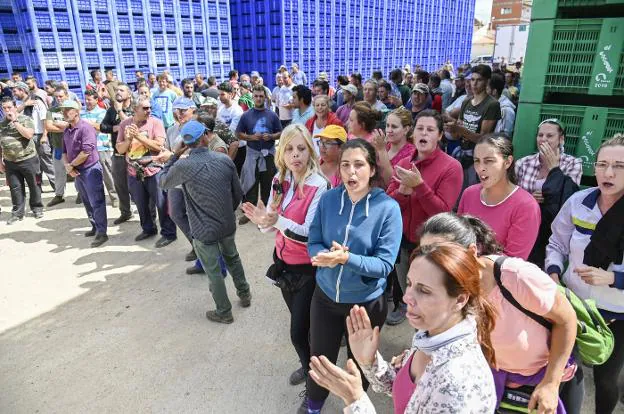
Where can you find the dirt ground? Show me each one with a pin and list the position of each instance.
(122, 328)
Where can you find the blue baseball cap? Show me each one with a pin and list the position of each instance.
(183, 103)
(192, 131)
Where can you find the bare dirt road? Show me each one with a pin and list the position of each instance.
(122, 328)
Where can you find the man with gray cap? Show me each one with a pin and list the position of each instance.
(420, 100)
(34, 107)
(209, 107)
(212, 192)
(349, 93)
(81, 159)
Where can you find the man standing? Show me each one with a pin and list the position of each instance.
(211, 91)
(165, 97)
(36, 91)
(460, 87)
(189, 91)
(212, 192)
(446, 87)
(299, 76)
(93, 115)
(508, 109)
(140, 138)
(209, 107)
(184, 111)
(121, 110)
(80, 157)
(260, 128)
(55, 126)
(200, 85)
(476, 117)
(34, 107)
(230, 114)
(302, 100)
(285, 104)
(370, 96)
(18, 160)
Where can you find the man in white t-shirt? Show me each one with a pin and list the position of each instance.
(230, 114)
(285, 100)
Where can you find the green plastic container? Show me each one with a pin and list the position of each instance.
(586, 128)
(581, 56)
(548, 9)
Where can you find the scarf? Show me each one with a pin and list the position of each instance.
(429, 344)
(606, 245)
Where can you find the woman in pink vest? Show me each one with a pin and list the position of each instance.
(297, 189)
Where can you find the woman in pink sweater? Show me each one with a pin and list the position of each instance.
(510, 211)
(425, 183)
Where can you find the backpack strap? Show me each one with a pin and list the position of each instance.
(507, 295)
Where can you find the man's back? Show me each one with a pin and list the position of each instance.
(212, 192)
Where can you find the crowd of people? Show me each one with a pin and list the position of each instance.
(401, 190)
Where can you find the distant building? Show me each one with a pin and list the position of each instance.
(508, 12)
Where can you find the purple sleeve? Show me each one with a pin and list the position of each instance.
(89, 139)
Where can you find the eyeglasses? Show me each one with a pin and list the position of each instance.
(323, 143)
(147, 108)
(603, 165)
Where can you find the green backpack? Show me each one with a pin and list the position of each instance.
(594, 339)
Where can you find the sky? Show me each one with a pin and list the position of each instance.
(483, 9)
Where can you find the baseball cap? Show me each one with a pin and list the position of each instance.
(210, 101)
(255, 73)
(351, 89)
(333, 132)
(183, 103)
(21, 85)
(68, 104)
(421, 88)
(192, 131)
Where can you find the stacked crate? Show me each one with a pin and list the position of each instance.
(66, 39)
(573, 71)
(342, 36)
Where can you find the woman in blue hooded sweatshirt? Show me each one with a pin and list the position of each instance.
(353, 241)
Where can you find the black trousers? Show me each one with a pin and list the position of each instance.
(298, 303)
(606, 375)
(328, 326)
(18, 176)
(264, 181)
(239, 160)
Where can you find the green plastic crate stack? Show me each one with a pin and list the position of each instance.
(571, 68)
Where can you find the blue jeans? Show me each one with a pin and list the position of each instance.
(209, 256)
(144, 192)
(90, 186)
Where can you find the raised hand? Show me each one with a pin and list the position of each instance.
(259, 214)
(363, 338)
(345, 383)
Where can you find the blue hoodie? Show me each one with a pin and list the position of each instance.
(371, 228)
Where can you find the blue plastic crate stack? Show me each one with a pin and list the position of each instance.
(342, 36)
(66, 39)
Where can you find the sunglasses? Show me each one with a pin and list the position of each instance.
(146, 108)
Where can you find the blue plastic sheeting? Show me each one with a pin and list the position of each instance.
(65, 39)
(342, 36)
